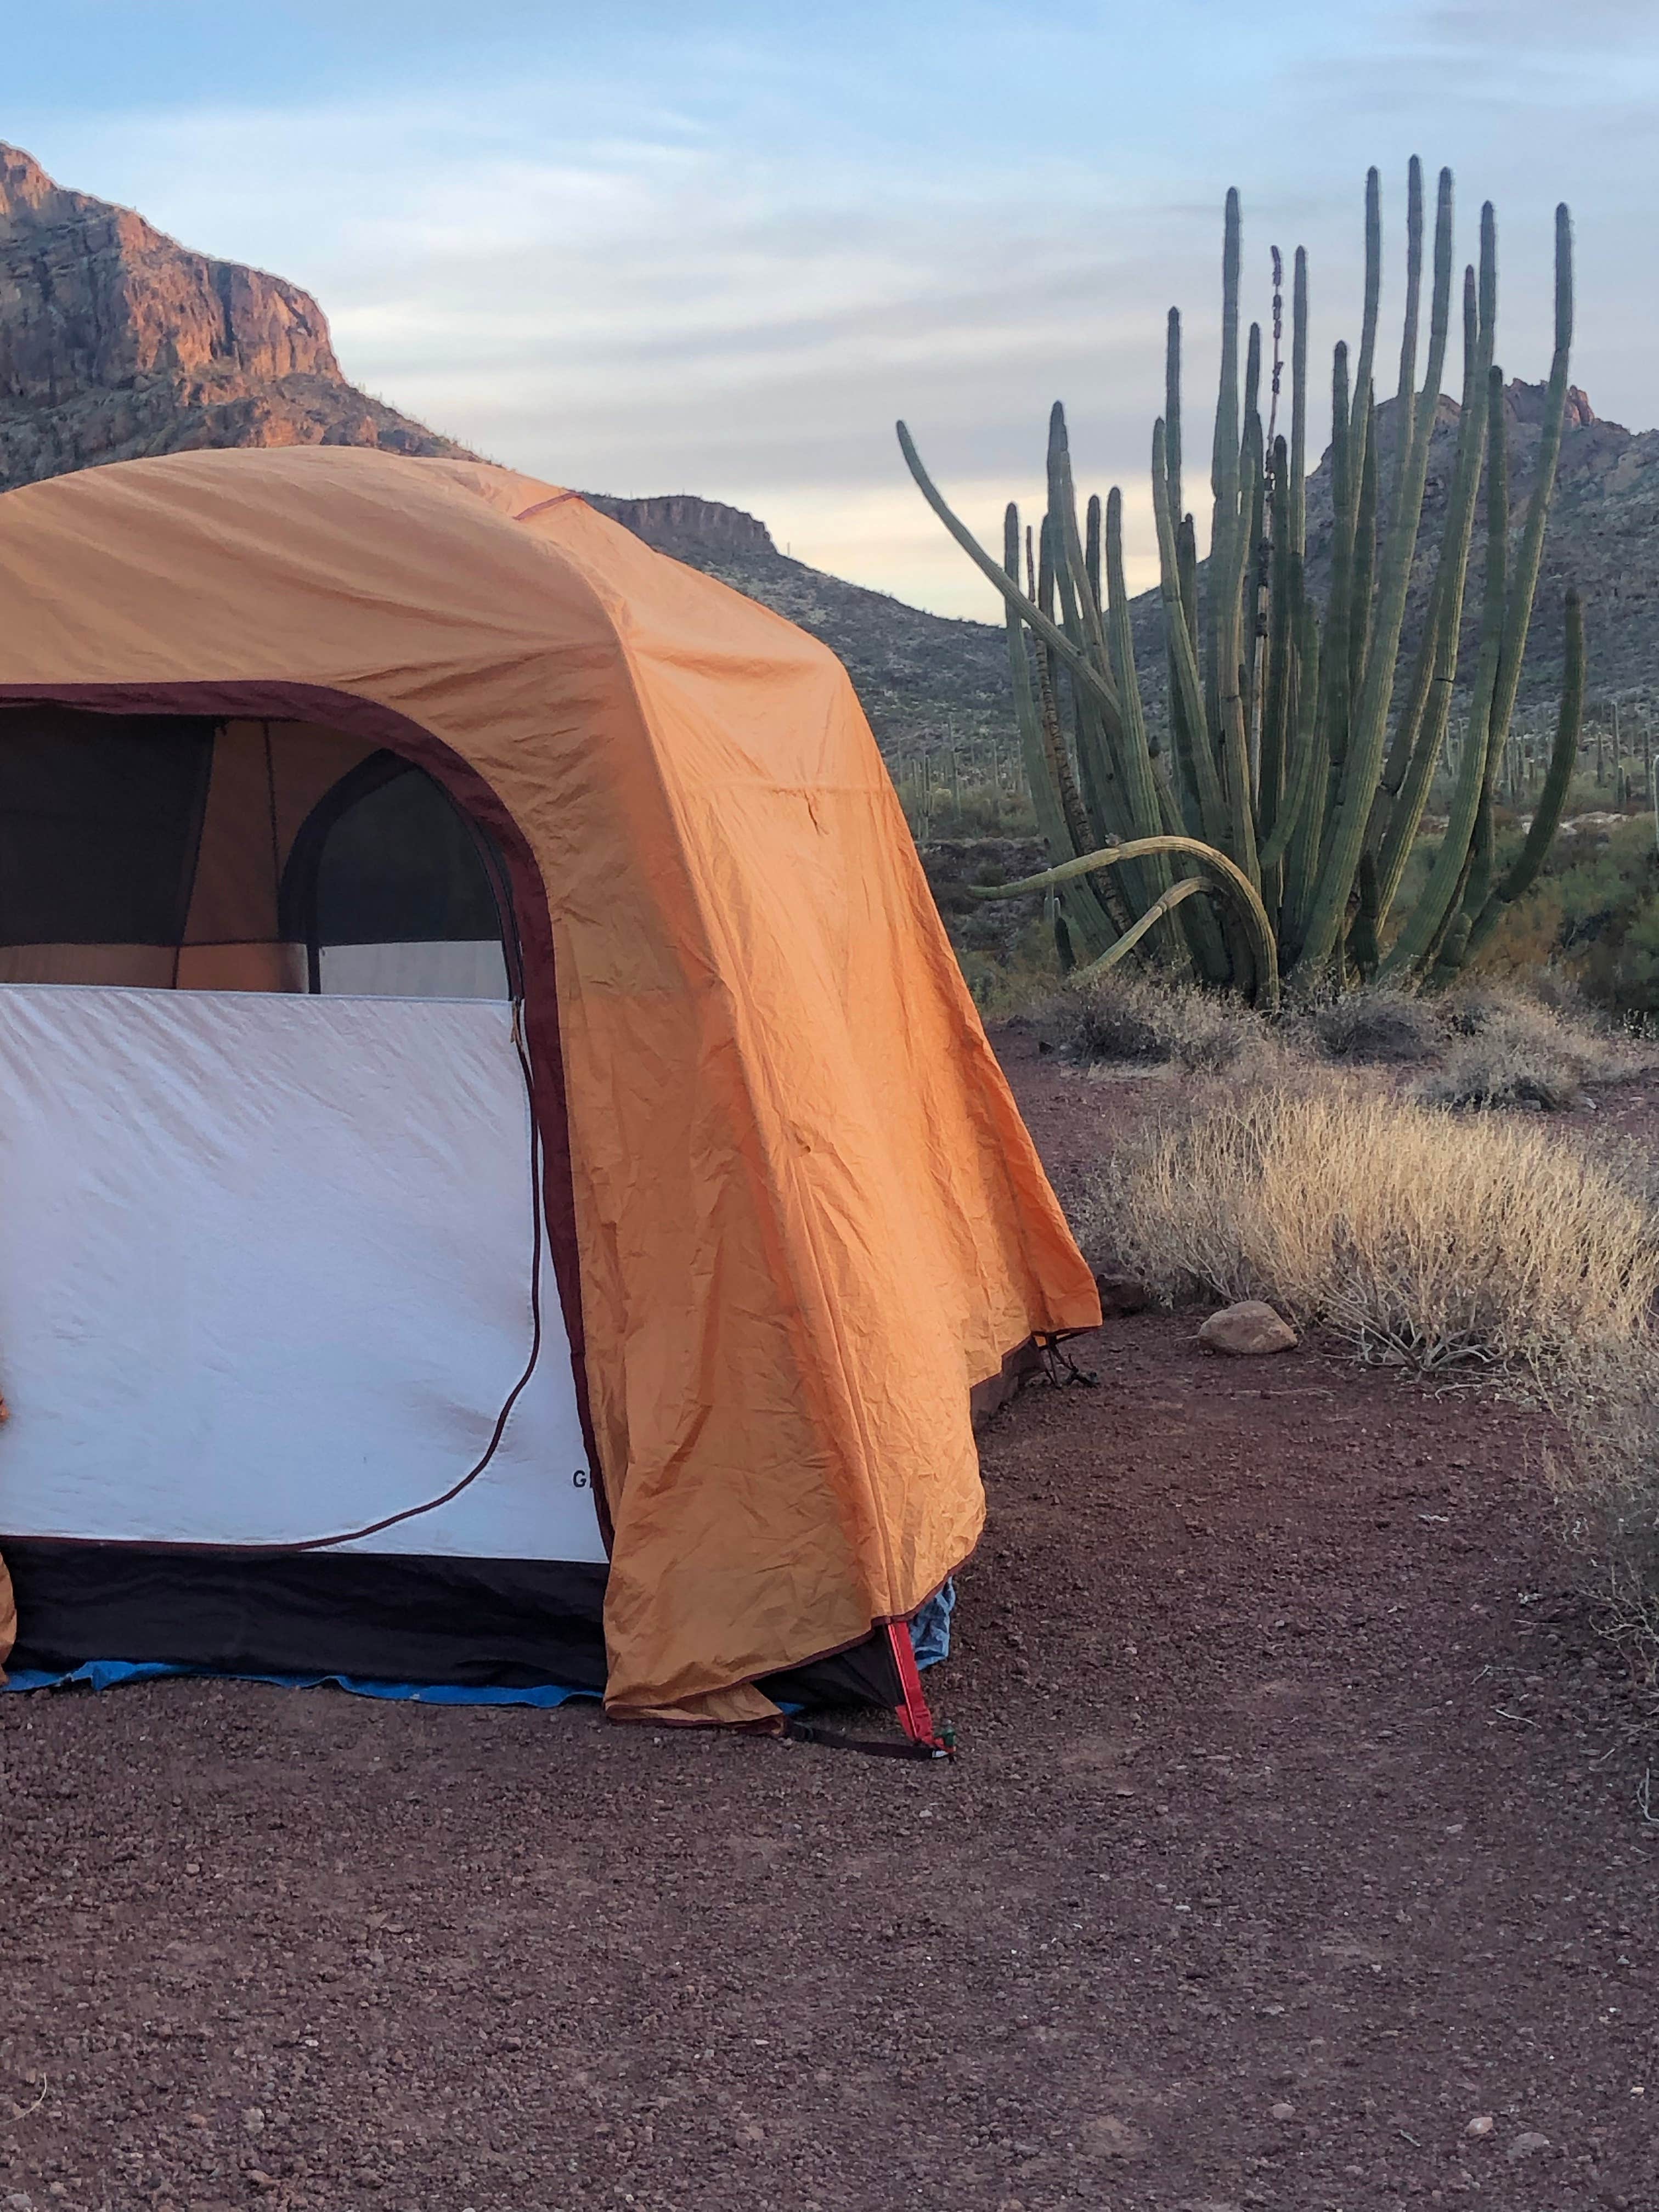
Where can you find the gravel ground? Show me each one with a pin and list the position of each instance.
(1295, 1829)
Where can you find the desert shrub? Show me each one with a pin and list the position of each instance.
(1124, 1017)
(1419, 1237)
(1380, 1024)
(1512, 1049)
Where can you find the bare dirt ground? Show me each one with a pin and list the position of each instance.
(1298, 1824)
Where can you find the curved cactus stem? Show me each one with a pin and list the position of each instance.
(1150, 796)
(1233, 879)
(1155, 913)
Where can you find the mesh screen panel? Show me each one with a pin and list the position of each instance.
(100, 818)
(400, 866)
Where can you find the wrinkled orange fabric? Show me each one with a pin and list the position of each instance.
(809, 1218)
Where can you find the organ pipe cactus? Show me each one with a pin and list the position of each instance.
(1294, 747)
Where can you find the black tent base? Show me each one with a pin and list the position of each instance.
(377, 1617)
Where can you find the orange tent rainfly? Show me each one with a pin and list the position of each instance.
(501, 1182)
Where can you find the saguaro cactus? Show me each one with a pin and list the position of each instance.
(1287, 756)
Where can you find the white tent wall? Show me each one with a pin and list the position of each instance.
(266, 1277)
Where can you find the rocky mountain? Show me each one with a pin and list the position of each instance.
(116, 343)
(1603, 537)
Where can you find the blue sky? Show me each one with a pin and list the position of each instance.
(717, 247)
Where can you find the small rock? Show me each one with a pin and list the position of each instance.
(1482, 2124)
(1283, 2111)
(1247, 1329)
(1524, 2146)
(253, 2120)
(1122, 1294)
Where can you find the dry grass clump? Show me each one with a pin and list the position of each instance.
(1126, 1017)
(1492, 1047)
(1380, 1024)
(1421, 1238)
(1510, 1049)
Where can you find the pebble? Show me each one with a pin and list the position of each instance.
(1524, 2146)
(1282, 2111)
(1482, 2124)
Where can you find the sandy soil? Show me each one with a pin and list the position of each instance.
(1296, 1826)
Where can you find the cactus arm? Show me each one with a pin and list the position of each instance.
(1242, 890)
(1553, 799)
(1307, 764)
(1427, 924)
(1235, 754)
(1364, 558)
(1036, 620)
(1302, 870)
(1453, 555)
(1224, 460)
(1188, 696)
(1365, 364)
(1172, 409)
(1530, 553)
(1071, 561)
(1299, 403)
(1362, 947)
(1151, 801)
(1165, 903)
(1096, 769)
(1047, 796)
(1363, 762)
(1055, 797)
(1143, 793)
(1336, 621)
(1429, 709)
(1091, 551)
(1413, 303)
(1277, 690)
(1220, 643)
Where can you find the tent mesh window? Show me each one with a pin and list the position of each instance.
(99, 823)
(172, 852)
(391, 888)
